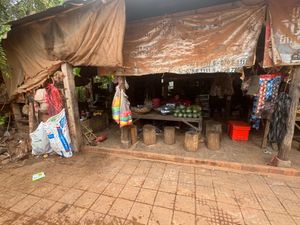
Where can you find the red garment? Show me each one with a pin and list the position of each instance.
(53, 99)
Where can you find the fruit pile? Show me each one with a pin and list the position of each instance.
(193, 111)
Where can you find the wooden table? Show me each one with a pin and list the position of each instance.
(157, 116)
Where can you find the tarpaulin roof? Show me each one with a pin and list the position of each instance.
(222, 38)
(89, 35)
(282, 45)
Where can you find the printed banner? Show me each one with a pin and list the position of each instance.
(285, 32)
(208, 40)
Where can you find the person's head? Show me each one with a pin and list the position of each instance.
(177, 97)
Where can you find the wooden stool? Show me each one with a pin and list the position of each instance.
(133, 134)
(191, 141)
(211, 125)
(213, 140)
(169, 135)
(149, 134)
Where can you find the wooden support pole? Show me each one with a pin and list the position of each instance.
(125, 137)
(286, 144)
(17, 115)
(31, 117)
(125, 131)
(72, 106)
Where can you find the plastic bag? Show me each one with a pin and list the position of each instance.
(125, 112)
(39, 141)
(58, 134)
(116, 104)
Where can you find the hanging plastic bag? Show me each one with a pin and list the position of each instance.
(116, 104)
(125, 112)
(39, 141)
(58, 134)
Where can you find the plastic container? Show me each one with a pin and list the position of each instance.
(155, 102)
(238, 130)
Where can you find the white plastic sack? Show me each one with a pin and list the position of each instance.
(39, 141)
(58, 134)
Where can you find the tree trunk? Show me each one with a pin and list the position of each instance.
(286, 144)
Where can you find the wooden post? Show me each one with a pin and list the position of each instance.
(125, 132)
(72, 106)
(169, 135)
(125, 137)
(286, 144)
(31, 117)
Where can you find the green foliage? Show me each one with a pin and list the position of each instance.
(2, 120)
(104, 81)
(16, 9)
(76, 71)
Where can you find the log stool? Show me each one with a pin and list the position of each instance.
(211, 125)
(169, 135)
(214, 140)
(149, 134)
(133, 134)
(191, 141)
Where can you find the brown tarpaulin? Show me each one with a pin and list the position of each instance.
(91, 35)
(209, 40)
(284, 45)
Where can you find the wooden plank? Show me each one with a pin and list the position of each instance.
(286, 144)
(72, 106)
(157, 116)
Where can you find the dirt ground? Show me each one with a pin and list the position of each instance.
(91, 188)
(233, 151)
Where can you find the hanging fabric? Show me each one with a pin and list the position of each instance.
(53, 99)
(268, 91)
(278, 123)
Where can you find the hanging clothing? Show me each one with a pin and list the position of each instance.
(53, 99)
(278, 123)
(268, 92)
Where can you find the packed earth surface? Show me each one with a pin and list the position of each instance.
(92, 188)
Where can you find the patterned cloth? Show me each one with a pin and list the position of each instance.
(268, 91)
